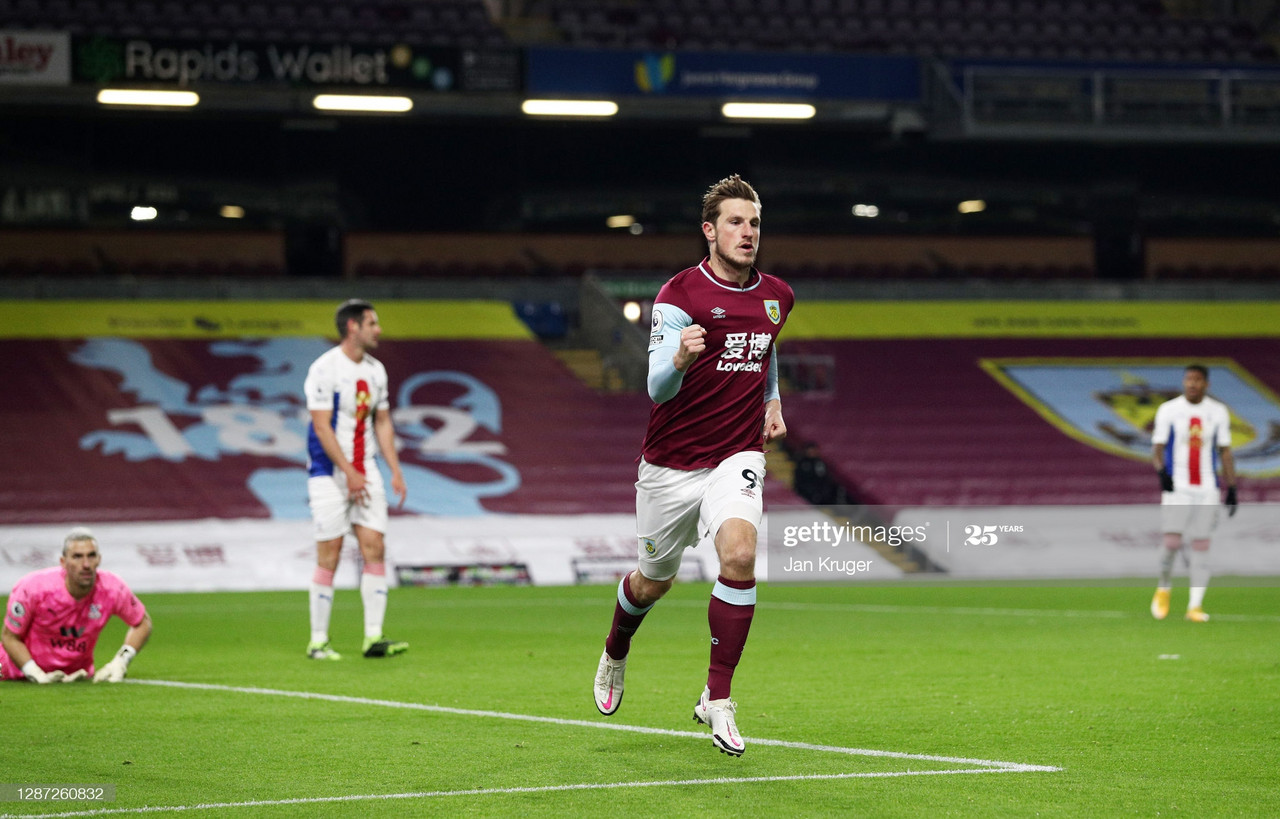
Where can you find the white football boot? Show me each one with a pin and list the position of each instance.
(719, 715)
(608, 687)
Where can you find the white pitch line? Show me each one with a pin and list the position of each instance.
(581, 723)
(983, 765)
(582, 786)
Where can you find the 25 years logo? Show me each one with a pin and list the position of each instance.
(985, 535)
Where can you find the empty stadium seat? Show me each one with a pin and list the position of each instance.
(1031, 29)
(463, 22)
(1098, 30)
(922, 423)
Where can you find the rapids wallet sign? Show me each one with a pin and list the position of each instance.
(193, 63)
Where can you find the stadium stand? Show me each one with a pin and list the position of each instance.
(522, 448)
(21, 268)
(391, 256)
(1097, 30)
(173, 254)
(919, 422)
(465, 23)
(192, 255)
(888, 418)
(184, 255)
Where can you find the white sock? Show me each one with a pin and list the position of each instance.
(1199, 577)
(321, 608)
(373, 591)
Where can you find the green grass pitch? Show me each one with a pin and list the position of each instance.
(1141, 718)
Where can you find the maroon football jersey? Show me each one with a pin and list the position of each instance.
(719, 410)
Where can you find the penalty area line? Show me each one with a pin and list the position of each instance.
(582, 786)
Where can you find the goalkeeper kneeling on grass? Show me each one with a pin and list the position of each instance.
(54, 616)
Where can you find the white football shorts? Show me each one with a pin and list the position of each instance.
(676, 508)
(333, 513)
(1192, 513)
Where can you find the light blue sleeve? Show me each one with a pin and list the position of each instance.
(771, 391)
(664, 340)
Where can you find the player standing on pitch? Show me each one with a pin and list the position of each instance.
(54, 617)
(347, 395)
(713, 377)
(1190, 432)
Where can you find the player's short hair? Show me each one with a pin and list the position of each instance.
(77, 535)
(1198, 368)
(731, 187)
(351, 309)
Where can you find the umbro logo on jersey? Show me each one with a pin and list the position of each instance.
(718, 312)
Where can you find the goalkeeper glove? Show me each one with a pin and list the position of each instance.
(1166, 481)
(115, 670)
(76, 676)
(37, 674)
(1232, 503)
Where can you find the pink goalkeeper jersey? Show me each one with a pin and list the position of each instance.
(58, 630)
(719, 409)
